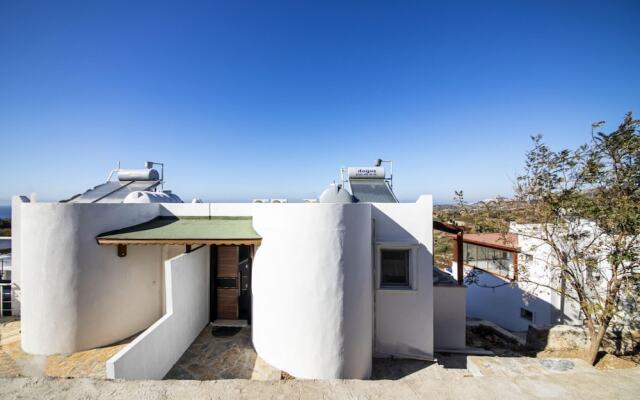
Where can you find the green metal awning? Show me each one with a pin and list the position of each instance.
(186, 230)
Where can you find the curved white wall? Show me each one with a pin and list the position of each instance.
(312, 289)
(78, 295)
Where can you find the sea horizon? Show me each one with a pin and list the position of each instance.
(5, 211)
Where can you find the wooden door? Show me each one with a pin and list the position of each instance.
(227, 287)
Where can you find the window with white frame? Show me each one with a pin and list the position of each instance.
(396, 265)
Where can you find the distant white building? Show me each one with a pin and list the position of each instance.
(493, 263)
(6, 288)
(513, 279)
(325, 286)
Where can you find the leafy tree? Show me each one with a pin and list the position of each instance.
(5, 227)
(587, 205)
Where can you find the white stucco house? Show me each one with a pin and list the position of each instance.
(499, 292)
(6, 288)
(324, 286)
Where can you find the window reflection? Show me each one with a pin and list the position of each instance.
(495, 261)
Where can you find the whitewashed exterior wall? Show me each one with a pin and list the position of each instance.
(539, 271)
(313, 283)
(312, 289)
(152, 354)
(449, 309)
(404, 318)
(494, 300)
(76, 294)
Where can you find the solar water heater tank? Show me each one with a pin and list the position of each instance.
(143, 174)
(365, 172)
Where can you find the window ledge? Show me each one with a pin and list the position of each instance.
(397, 243)
(398, 289)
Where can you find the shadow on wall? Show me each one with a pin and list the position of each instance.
(387, 229)
(404, 318)
(506, 304)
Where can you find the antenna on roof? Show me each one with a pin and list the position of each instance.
(389, 180)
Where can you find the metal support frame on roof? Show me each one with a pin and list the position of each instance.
(115, 191)
(389, 180)
(150, 164)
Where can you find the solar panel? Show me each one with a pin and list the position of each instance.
(112, 191)
(372, 191)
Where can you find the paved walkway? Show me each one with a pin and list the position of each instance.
(594, 384)
(453, 376)
(210, 358)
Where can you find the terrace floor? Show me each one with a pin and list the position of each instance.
(15, 362)
(209, 357)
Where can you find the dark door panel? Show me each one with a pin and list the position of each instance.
(227, 274)
(227, 303)
(245, 290)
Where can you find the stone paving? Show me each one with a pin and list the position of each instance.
(232, 358)
(594, 384)
(14, 362)
(208, 358)
(212, 358)
(509, 367)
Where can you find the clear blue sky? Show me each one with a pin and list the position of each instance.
(246, 99)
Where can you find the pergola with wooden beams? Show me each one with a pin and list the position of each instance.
(458, 252)
(457, 235)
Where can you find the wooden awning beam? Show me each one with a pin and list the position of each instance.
(446, 227)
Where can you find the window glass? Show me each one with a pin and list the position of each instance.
(394, 268)
(5, 275)
(470, 253)
(526, 314)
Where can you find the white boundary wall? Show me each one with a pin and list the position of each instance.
(450, 317)
(152, 354)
